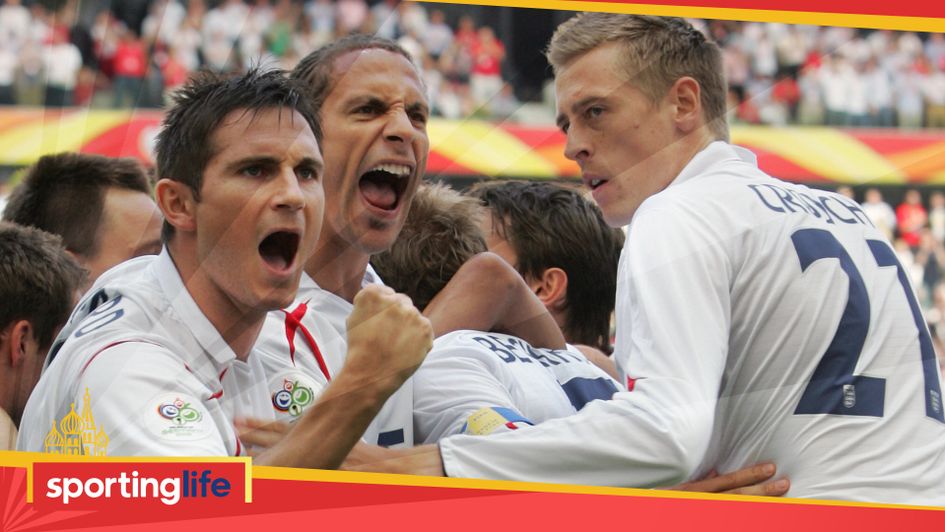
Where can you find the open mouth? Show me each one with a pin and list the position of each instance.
(594, 183)
(279, 249)
(383, 185)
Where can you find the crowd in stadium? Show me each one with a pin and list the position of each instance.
(778, 74)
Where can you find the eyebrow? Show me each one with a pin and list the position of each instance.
(313, 163)
(583, 102)
(266, 160)
(374, 100)
(418, 107)
(362, 99)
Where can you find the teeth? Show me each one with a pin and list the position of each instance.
(398, 170)
(596, 182)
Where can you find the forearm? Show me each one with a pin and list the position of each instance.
(421, 460)
(487, 294)
(634, 440)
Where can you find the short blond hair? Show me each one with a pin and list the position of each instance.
(441, 233)
(659, 51)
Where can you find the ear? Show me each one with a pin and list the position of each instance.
(551, 288)
(176, 201)
(686, 97)
(21, 342)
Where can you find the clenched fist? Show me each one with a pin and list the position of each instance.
(387, 338)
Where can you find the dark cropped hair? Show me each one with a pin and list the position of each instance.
(317, 68)
(185, 146)
(38, 280)
(550, 226)
(64, 194)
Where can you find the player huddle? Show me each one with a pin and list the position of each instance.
(744, 333)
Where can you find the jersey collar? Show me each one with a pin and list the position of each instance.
(190, 314)
(715, 153)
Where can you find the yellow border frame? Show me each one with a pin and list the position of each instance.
(887, 22)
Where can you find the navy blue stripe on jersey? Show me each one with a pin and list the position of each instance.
(581, 391)
(390, 438)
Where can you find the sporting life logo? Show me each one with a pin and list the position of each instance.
(101, 484)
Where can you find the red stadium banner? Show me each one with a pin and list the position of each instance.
(481, 149)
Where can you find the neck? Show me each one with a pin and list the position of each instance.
(689, 146)
(337, 266)
(236, 323)
(8, 381)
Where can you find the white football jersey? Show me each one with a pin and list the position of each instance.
(473, 382)
(756, 320)
(142, 371)
(310, 337)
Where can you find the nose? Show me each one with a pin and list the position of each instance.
(398, 127)
(289, 193)
(577, 148)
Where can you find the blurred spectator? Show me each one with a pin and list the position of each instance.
(846, 192)
(937, 216)
(161, 24)
(174, 72)
(879, 95)
(930, 256)
(79, 36)
(29, 83)
(908, 90)
(130, 64)
(410, 42)
(9, 62)
(278, 36)
(14, 24)
(835, 81)
(351, 16)
(810, 108)
(787, 94)
(911, 217)
(879, 212)
(4, 191)
(438, 36)
(62, 62)
(105, 40)
(504, 104)
(857, 97)
(412, 17)
(933, 88)
(936, 319)
(225, 21)
(321, 14)
(485, 80)
(188, 41)
(260, 26)
(907, 260)
(386, 19)
(935, 49)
